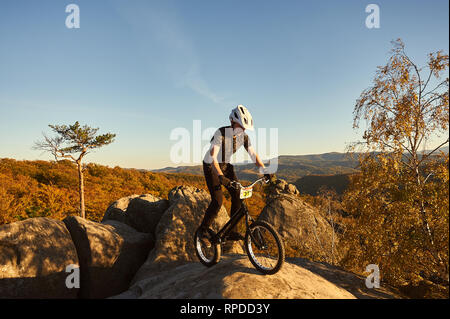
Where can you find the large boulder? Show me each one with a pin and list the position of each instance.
(175, 231)
(301, 225)
(235, 278)
(116, 211)
(140, 212)
(109, 255)
(34, 256)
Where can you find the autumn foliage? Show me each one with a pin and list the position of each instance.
(50, 189)
(399, 201)
(387, 226)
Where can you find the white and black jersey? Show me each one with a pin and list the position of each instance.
(229, 143)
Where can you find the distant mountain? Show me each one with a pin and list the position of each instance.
(195, 170)
(308, 172)
(444, 149)
(290, 167)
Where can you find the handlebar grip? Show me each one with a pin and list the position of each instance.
(235, 184)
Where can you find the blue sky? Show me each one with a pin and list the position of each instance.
(142, 68)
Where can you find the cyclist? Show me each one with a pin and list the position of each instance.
(218, 170)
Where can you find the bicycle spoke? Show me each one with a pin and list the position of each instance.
(264, 248)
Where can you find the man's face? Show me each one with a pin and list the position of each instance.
(235, 126)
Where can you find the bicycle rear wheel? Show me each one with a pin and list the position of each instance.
(208, 256)
(264, 247)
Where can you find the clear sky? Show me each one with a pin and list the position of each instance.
(142, 68)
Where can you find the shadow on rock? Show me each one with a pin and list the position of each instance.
(346, 280)
(109, 254)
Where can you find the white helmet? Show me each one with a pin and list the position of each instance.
(241, 115)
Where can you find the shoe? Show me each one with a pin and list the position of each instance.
(204, 237)
(234, 236)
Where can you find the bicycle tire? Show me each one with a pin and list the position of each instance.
(201, 255)
(279, 246)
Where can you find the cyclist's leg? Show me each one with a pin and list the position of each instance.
(212, 181)
(236, 202)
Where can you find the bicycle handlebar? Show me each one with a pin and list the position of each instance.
(259, 180)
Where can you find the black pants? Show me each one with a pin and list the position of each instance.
(212, 181)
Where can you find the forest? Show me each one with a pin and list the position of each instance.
(50, 188)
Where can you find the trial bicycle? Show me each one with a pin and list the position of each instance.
(263, 244)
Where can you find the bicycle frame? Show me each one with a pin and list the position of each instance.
(262, 243)
(236, 218)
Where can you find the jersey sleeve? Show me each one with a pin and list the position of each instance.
(217, 138)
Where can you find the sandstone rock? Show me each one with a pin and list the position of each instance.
(175, 231)
(353, 283)
(109, 255)
(34, 255)
(235, 278)
(301, 225)
(145, 211)
(116, 211)
(292, 189)
(283, 187)
(140, 212)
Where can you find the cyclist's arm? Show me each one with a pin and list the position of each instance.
(255, 157)
(214, 152)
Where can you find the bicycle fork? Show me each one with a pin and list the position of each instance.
(258, 239)
(255, 235)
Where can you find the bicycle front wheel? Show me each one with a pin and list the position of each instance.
(264, 247)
